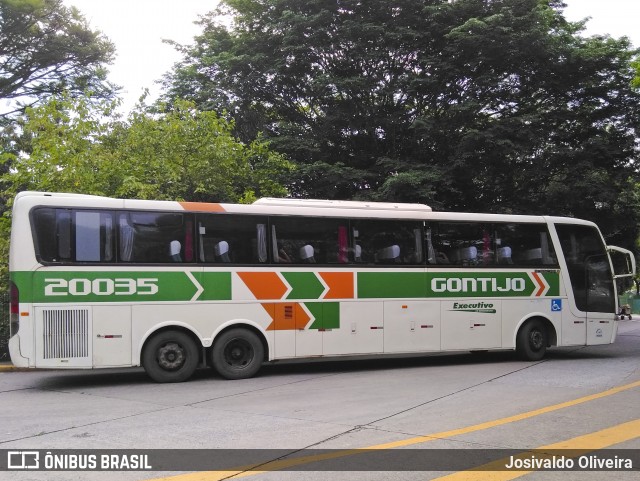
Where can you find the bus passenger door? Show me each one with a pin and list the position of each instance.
(590, 286)
(601, 299)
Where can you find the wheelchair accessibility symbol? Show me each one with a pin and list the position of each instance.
(556, 305)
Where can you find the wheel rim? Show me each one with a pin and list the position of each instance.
(171, 356)
(238, 353)
(536, 339)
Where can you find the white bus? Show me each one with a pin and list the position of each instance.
(100, 282)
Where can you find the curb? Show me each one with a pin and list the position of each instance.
(5, 367)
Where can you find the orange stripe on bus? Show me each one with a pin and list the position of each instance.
(540, 284)
(340, 284)
(202, 207)
(286, 316)
(302, 318)
(264, 285)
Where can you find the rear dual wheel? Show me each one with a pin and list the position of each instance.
(237, 354)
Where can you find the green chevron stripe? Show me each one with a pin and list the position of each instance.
(327, 314)
(304, 285)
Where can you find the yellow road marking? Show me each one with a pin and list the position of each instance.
(288, 463)
(572, 448)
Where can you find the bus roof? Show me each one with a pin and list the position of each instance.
(342, 204)
(276, 206)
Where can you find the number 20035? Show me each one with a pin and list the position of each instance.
(100, 287)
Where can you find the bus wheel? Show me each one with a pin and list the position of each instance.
(531, 343)
(170, 356)
(237, 354)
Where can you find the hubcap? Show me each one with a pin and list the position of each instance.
(171, 356)
(238, 353)
(536, 339)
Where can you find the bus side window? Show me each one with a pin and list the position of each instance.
(73, 235)
(145, 237)
(232, 239)
(44, 228)
(528, 244)
(464, 244)
(388, 241)
(93, 236)
(309, 240)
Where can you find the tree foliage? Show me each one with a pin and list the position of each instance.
(70, 145)
(81, 145)
(46, 48)
(481, 105)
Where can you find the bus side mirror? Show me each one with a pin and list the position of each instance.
(623, 262)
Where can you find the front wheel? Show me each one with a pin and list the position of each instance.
(237, 354)
(170, 356)
(531, 343)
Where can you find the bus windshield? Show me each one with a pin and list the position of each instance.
(588, 267)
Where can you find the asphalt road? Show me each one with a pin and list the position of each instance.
(470, 406)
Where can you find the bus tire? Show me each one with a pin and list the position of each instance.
(170, 356)
(237, 354)
(531, 343)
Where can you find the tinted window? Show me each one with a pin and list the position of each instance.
(387, 242)
(525, 244)
(155, 237)
(465, 244)
(474, 244)
(228, 238)
(309, 240)
(66, 235)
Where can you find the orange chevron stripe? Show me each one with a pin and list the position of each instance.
(302, 318)
(340, 285)
(286, 316)
(202, 207)
(264, 285)
(271, 310)
(540, 284)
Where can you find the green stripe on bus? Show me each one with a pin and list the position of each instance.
(304, 285)
(327, 314)
(216, 285)
(375, 285)
(122, 286)
(132, 286)
(553, 279)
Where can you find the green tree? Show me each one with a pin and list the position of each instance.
(188, 154)
(46, 48)
(75, 145)
(79, 145)
(484, 105)
(636, 80)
